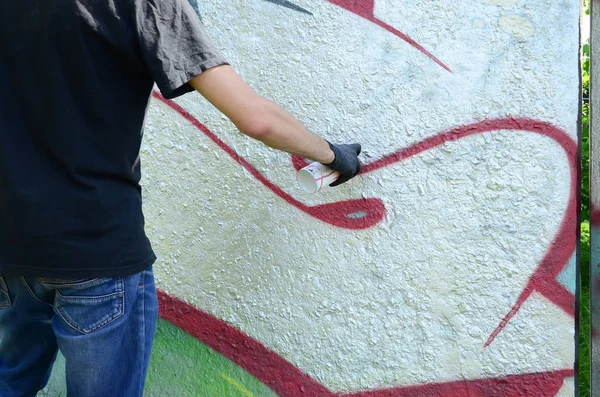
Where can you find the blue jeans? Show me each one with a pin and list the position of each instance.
(104, 328)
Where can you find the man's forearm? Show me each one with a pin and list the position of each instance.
(284, 132)
(258, 117)
(262, 119)
(279, 129)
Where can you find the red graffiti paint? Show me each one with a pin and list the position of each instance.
(594, 216)
(287, 380)
(366, 9)
(364, 213)
(544, 384)
(363, 8)
(562, 247)
(354, 214)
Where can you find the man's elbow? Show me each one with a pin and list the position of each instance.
(257, 129)
(257, 125)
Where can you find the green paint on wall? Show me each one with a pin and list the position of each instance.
(181, 366)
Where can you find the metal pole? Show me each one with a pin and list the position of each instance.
(595, 196)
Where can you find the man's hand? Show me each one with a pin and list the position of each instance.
(345, 162)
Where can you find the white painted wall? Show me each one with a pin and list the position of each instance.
(413, 299)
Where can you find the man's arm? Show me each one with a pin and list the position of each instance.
(167, 30)
(258, 117)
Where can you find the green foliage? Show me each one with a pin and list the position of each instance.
(585, 134)
(586, 7)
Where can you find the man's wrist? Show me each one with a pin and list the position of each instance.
(331, 154)
(331, 157)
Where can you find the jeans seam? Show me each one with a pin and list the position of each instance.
(143, 349)
(81, 283)
(29, 290)
(80, 299)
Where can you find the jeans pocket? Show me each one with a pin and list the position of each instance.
(88, 304)
(4, 296)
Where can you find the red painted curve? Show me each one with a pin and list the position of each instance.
(287, 380)
(564, 243)
(541, 384)
(371, 211)
(366, 9)
(354, 214)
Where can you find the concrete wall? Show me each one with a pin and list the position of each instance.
(448, 267)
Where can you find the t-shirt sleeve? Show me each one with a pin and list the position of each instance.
(174, 44)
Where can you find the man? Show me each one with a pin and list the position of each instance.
(75, 264)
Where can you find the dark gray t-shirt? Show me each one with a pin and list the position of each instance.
(76, 77)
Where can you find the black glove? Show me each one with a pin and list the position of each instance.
(345, 162)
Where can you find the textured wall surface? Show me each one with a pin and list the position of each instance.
(448, 267)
